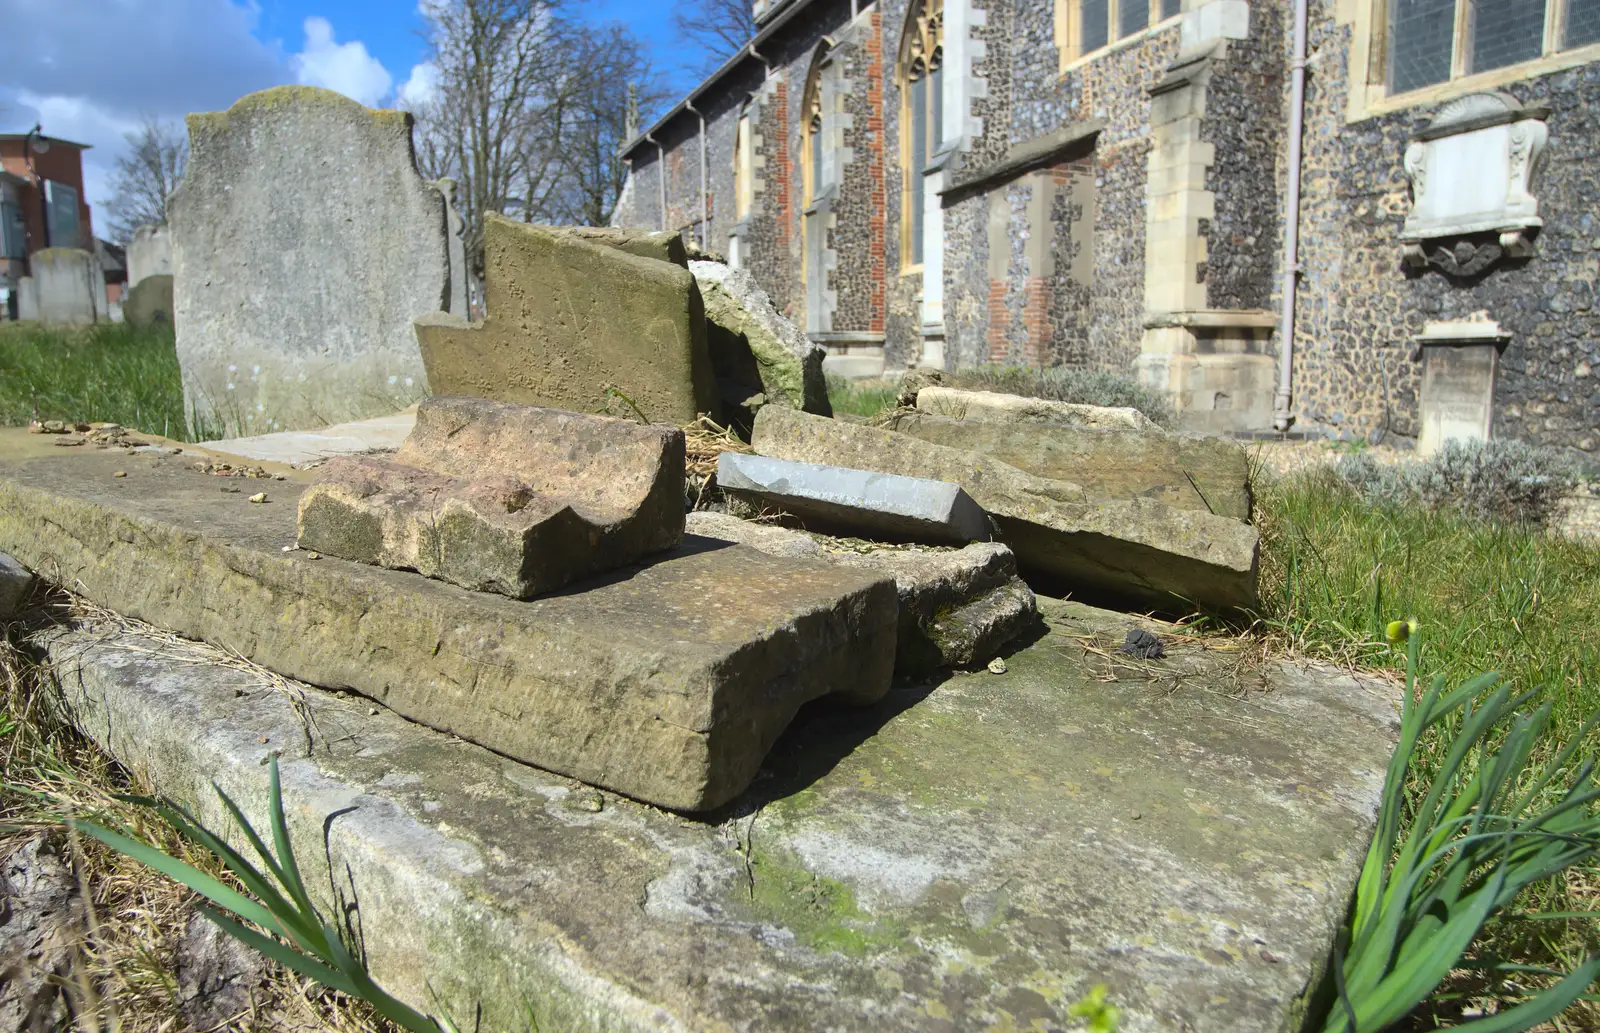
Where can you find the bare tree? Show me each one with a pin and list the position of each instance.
(157, 154)
(716, 28)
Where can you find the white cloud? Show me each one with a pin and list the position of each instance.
(79, 120)
(420, 88)
(345, 67)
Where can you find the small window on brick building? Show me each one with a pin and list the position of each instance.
(744, 169)
(61, 207)
(922, 112)
(1094, 24)
(1434, 41)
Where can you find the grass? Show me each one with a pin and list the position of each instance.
(1490, 597)
(861, 397)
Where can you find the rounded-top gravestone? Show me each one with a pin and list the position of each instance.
(304, 243)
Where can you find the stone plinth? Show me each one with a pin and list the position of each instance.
(668, 682)
(304, 243)
(503, 498)
(567, 318)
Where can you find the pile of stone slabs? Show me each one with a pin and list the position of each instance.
(974, 854)
(667, 682)
(514, 499)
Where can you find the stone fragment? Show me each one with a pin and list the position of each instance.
(668, 682)
(15, 581)
(1054, 828)
(149, 302)
(455, 248)
(149, 253)
(997, 407)
(304, 243)
(568, 318)
(69, 288)
(657, 244)
(885, 505)
(1208, 474)
(1136, 551)
(502, 498)
(754, 350)
(958, 607)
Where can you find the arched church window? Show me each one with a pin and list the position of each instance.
(921, 117)
(744, 170)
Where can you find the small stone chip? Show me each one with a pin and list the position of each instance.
(1144, 645)
(120, 473)
(997, 665)
(259, 496)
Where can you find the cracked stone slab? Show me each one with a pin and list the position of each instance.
(667, 681)
(912, 508)
(965, 856)
(513, 499)
(958, 607)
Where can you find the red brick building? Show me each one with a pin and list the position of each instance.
(41, 205)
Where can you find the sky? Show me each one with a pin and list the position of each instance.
(90, 70)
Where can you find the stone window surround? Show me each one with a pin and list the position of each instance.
(1369, 98)
(1066, 32)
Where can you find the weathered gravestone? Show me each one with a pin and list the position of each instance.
(27, 298)
(149, 302)
(568, 318)
(303, 245)
(760, 357)
(68, 286)
(149, 253)
(454, 228)
(503, 498)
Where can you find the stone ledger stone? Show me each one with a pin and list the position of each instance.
(69, 288)
(568, 318)
(753, 348)
(502, 498)
(1136, 551)
(903, 508)
(983, 848)
(149, 302)
(668, 682)
(998, 407)
(958, 607)
(1207, 474)
(304, 243)
(15, 580)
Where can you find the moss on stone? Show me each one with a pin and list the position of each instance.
(821, 912)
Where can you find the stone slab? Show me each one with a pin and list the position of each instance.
(998, 407)
(15, 581)
(305, 448)
(903, 508)
(566, 319)
(1135, 551)
(304, 243)
(1207, 474)
(668, 682)
(958, 607)
(969, 855)
(753, 348)
(512, 499)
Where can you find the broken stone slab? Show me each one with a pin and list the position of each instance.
(567, 319)
(657, 244)
(904, 508)
(513, 499)
(1207, 474)
(667, 681)
(997, 407)
(984, 849)
(754, 349)
(15, 581)
(1136, 551)
(958, 607)
(302, 448)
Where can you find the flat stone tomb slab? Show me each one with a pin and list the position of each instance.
(972, 855)
(513, 499)
(668, 682)
(914, 508)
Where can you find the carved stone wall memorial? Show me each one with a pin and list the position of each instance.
(1460, 361)
(1470, 173)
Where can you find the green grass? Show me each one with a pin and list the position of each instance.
(1489, 597)
(861, 397)
(110, 372)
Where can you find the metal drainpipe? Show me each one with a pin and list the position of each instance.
(705, 188)
(1282, 415)
(661, 177)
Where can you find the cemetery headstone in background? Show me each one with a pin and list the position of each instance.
(68, 287)
(304, 243)
(149, 253)
(149, 302)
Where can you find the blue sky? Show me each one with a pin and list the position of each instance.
(88, 70)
